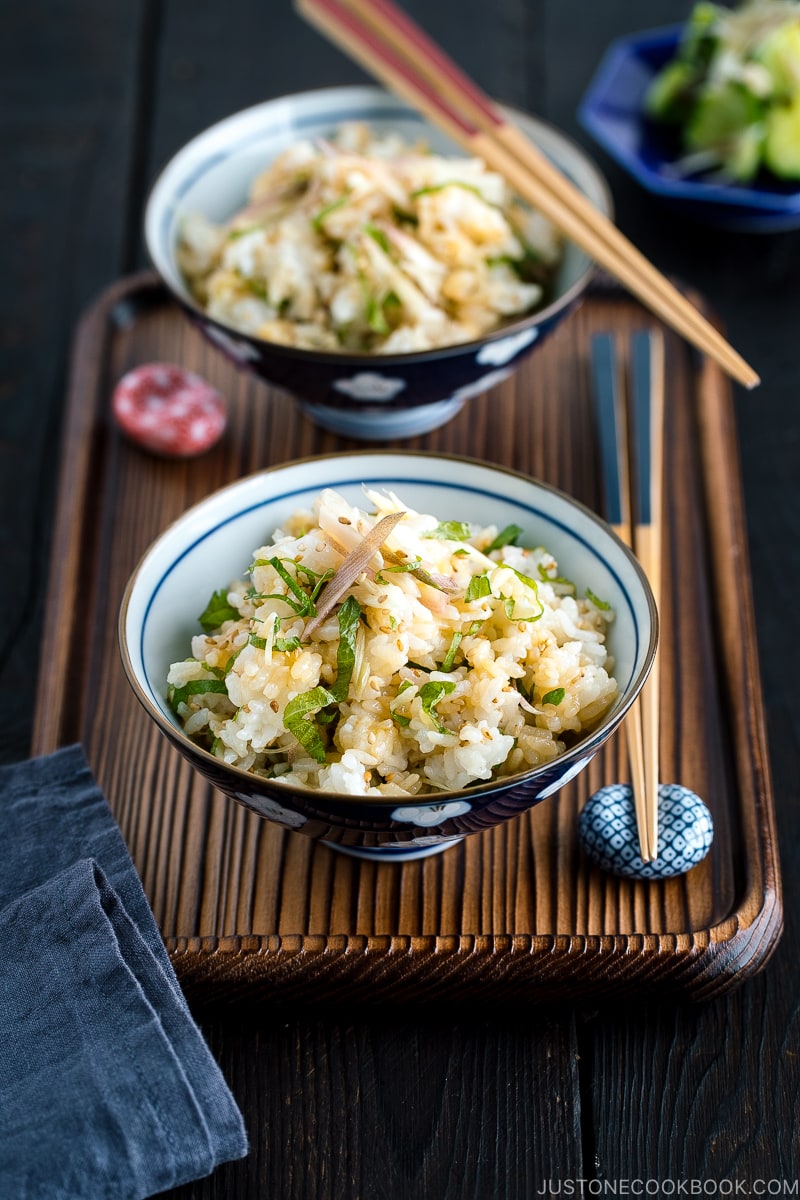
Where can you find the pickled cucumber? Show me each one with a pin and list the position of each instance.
(733, 90)
(728, 120)
(782, 143)
(779, 53)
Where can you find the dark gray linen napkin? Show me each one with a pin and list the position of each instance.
(107, 1088)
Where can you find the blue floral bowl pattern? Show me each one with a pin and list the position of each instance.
(213, 540)
(360, 395)
(612, 112)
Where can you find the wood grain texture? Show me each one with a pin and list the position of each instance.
(390, 1108)
(65, 216)
(670, 1098)
(249, 910)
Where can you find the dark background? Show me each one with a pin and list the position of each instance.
(462, 1103)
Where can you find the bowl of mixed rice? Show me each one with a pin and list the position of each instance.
(387, 652)
(340, 247)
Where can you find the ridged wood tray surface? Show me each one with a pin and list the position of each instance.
(248, 910)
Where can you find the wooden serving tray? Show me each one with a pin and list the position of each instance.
(250, 910)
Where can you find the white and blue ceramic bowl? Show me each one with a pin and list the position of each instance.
(359, 395)
(612, 111)
(213, 543)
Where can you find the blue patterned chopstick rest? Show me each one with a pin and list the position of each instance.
(607, 831)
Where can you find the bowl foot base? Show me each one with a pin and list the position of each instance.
(384, 424)
(393, 853)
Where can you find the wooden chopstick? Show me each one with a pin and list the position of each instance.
(389, 45)
(610, 397)
(386, 19)
(647, 386)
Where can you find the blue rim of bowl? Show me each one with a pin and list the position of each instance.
(763, 202)
(398, 112)
(580, 750)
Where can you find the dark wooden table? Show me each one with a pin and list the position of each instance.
(404, 1104)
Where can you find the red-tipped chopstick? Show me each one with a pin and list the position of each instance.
(390, 46)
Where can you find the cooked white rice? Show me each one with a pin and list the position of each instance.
(365, 243)
(418, 689)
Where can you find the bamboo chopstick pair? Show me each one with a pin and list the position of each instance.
(387, 43)
(617, 409)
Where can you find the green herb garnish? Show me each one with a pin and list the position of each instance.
(439, 187)
(318, 220)
(235, 234)
(349, 616)
(299, 713)
(596, 601)
(379, 237)
(195, 687)
(376, 318)
(430, 694)
(531, 267)
(398, 568)
(220, 674)
(560, 579)
(478, 587)
(259, 289)
(297, 718)
(526, 579)
(509, 604)
(506, 537)
(554, 697)
(405, 218)
(316, 579)
(218, 610)
(286, 645)
(450, 657)
(378, 312)
(303, 604)
(453, 531)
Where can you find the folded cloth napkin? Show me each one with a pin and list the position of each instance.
(107, 1088)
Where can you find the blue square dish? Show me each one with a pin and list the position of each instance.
(612, 111)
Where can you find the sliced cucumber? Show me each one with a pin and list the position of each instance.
(782, 143)
(670, 96)
(720, 115)
(780, 54)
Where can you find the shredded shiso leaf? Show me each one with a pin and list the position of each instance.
(430, 694)
(506, 537)
(333, 702)
(218, 610)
